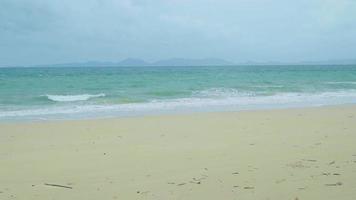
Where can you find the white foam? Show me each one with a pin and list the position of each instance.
(238, 101)
(221, 93)
(268, 86)
(68, 98)
(341, 82)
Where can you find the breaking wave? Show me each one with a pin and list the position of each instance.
(228, 100)
(69, 98)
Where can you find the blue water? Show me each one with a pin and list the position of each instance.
(79, 92)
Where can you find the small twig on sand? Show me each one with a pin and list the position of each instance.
(310, 160)
(334, 184)
(56, 185)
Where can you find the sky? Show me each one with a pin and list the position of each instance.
(59, 31)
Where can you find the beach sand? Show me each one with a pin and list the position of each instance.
(307, 153)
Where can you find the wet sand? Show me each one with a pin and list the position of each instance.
(307, 153)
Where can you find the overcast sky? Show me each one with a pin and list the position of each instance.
(57, 31)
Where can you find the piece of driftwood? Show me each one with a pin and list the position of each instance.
(56, 185)
(334, 184)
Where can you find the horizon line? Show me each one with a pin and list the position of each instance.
(156, 63)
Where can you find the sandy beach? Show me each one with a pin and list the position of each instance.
(307, 153)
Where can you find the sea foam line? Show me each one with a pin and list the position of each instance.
(69, 98)
(192, 104)
(341, 82)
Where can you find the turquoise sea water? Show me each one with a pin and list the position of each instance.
(79, 92)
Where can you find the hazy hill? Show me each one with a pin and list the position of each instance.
(134, 62)
(192, 62)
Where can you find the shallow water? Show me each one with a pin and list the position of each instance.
(80, 92)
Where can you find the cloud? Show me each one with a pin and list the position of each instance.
(20, 17)
(37, 31)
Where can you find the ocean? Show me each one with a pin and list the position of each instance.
(100, 92)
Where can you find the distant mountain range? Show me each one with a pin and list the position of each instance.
(326, 62)
(134, 62)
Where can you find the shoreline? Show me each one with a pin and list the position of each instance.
(303, 153)
(173, 113)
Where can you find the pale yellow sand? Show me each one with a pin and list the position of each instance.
(281, 154)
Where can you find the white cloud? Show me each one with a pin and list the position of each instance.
(66, 30)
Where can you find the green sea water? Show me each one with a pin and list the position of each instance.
(79, 92)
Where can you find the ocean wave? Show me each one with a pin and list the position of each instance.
(69, 98)
(191, 104)
(221, 92)
(268, 86)
(341, 82)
